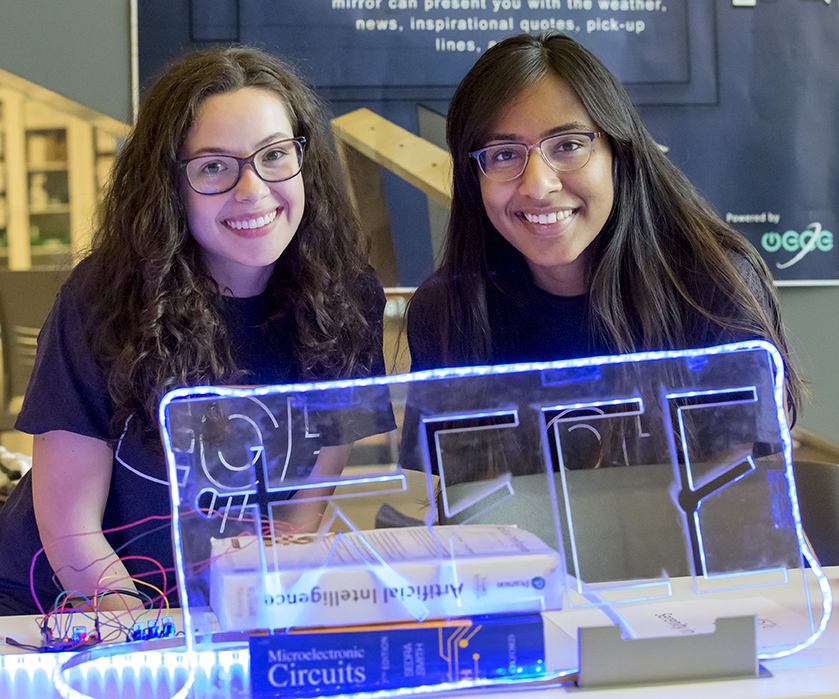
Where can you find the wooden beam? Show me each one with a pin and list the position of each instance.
(417, 161)
(364, 178)
(17, 194)
(81, 175)
(37, 93)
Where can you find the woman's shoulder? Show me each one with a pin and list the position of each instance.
(76, 290)
(752, 273)
(431, 293)
(89, 286)
(747, 269)
(742, 304)
(429, 301)
(85, 278)
(732, 273)
(424, 323)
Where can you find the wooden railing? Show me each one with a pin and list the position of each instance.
(371, 142)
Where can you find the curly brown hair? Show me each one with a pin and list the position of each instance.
(157, 318)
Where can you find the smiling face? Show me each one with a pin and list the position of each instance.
(550, 217)
(243, 232)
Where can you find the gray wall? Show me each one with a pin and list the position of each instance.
(77, 48)
(811, 315)
(81, 49)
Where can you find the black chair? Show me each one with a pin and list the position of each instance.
(817, 485)
(26, 298)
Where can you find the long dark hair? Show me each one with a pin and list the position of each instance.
(156, 321)
(662, 256)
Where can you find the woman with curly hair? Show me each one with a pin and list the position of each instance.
(571, 232)
(228, 252)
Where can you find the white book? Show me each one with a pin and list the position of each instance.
(382, 575)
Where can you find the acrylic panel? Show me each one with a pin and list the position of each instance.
(653, 491)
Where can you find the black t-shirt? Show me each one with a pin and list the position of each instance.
(67, 391)
(551, 328)
(541, 329)
(547, 328)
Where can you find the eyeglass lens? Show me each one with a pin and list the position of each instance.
(507, 161)
(213, 174)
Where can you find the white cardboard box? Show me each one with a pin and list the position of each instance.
(382, 575)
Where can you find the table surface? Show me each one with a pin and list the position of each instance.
(812, 672)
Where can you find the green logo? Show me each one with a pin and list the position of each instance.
(811, 238)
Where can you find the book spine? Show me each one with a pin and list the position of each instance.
(478, 650)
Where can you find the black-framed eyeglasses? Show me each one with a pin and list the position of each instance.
(503, 162)
(216, 174)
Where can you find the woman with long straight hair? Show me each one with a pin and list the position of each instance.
(571, 233)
